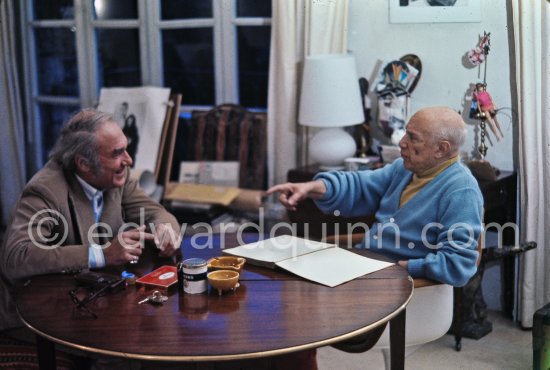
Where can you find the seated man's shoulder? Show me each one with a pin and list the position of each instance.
(462, 177)
(49, 181)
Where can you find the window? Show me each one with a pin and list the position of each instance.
(210, 51)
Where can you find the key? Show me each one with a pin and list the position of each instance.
(156, 298)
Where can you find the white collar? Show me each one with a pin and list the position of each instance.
(89, 190)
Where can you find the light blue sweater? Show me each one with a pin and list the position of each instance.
(436, 230)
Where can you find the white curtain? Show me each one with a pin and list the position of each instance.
(12, 152)
(532, 45)
(299, 27)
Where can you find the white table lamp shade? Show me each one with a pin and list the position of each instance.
(330, 94)
(330, 98)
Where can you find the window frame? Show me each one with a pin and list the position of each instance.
(224, 24)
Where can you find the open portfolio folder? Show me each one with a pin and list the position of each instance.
(320, 262)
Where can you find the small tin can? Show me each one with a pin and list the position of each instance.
(194, 272)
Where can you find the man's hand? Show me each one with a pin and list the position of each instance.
(126, 246)
(166, 239)
(293, 193)
(403, 264)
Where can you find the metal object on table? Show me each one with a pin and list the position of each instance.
(156, 298)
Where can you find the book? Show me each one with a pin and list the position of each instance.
(323, 263)
(163, 277)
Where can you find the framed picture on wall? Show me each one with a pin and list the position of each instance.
(435, 11)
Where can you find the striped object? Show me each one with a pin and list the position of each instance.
(229, 132)
(18, 355)
(24, 357)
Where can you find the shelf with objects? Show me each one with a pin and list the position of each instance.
(394, 89)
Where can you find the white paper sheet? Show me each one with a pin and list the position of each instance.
(320, 262)
(277, 249)
(332, 266)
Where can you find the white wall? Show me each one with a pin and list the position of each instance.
(441, 48)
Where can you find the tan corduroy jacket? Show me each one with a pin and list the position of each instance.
(48, 232)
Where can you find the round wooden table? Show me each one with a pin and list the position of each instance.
(271, 313)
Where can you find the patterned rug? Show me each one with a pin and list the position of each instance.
(18, 355)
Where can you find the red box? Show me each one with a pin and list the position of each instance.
(163, 277)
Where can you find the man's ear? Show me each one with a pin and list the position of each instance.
(443, 149)
(82, 164)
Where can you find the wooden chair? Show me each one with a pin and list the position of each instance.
(230, 132)
(458, 296)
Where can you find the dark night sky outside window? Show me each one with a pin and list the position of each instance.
(53, 9)
(56, 116)
(56, 62)
(253, 65)
(253, 8)
(189, 64)
(119, 63)
(189, 9)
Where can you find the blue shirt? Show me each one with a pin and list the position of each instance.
(96, 258)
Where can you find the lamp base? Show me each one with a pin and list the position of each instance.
(330, 146)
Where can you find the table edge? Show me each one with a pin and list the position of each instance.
(243, 356)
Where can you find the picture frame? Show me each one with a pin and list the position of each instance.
(141, 113)
(420, 11)
(167, 144)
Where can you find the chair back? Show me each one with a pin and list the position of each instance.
(229, 132)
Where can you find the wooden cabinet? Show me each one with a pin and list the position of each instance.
(500, 198)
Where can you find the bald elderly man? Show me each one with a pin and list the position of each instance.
(427, 205)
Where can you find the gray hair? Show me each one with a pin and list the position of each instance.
(78, 137)
(456, 136)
